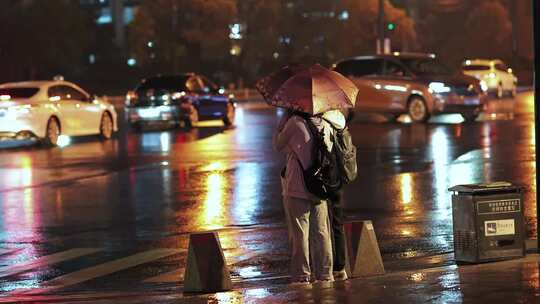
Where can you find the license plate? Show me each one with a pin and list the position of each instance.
(149, 113)
(471, 101)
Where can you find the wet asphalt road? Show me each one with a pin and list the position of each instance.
(115, 216)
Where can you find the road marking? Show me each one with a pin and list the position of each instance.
(46, 260)
(100, 270)
(241, 258)
(177, 275)
(7, 251)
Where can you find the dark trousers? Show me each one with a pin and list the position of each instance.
(338, 234)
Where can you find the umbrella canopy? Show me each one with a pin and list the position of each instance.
(311, 90)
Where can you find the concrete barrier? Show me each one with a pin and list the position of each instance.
(206, 270)
(363, 254)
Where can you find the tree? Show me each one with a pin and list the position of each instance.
(178, 35)
(281, 32)
(483, 31)
(403, 36)
(36, 43)
(261, 32)
(310, 27)
(489, 31)
(359, 34)
(182, 35)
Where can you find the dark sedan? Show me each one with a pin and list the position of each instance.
(181, 99)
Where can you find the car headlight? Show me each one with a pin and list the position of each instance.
(483, 86)
(438, 87)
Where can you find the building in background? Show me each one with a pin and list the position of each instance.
(114, 14)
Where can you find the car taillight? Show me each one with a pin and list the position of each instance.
(130, 96)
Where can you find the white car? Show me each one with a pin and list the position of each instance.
(494, 75)
(48, 109)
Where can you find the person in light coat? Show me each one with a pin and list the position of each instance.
(306, 215)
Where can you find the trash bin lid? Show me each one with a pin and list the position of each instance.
(485, 188)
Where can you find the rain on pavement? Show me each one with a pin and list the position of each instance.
(115, 216)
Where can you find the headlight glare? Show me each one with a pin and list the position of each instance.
(439, 87)
(483, 86)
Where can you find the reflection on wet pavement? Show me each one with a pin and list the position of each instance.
(150, 189)
(213, 214)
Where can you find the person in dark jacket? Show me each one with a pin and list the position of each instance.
(336, 225)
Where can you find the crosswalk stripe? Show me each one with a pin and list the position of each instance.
(177, 275)
(104, 269)
(7, 251)
(46, 260)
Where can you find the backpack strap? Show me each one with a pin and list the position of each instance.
(311, 127)
(316, 137)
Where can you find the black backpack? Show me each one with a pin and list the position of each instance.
(330, 170)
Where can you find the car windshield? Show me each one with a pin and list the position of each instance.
(169, 83)
(18, 92)
(475, 67)
(427, 66)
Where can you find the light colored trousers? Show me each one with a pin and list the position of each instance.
(309, 231)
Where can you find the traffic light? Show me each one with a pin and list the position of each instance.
(390, 26)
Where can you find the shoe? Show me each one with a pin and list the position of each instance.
(340, 275)
(301, 281)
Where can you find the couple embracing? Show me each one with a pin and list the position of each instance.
(320, 159)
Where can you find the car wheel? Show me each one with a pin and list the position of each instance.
(106, 126)
(417, 109)
(500, 91)
(52, 132)
(470, 117)
(228, 119)
(192, 118)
